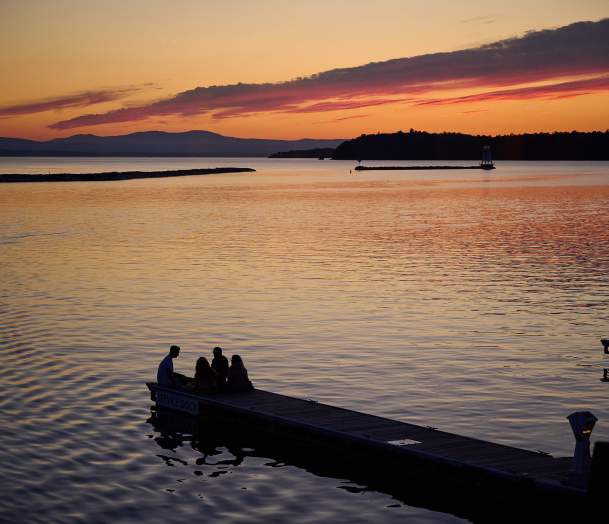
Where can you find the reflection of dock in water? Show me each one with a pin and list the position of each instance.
(397, 454)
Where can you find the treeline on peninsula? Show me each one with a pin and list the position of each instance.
(420, 145)
(320, 152)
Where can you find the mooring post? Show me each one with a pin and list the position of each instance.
(582, 424)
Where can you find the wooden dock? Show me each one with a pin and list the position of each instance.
(421, 451)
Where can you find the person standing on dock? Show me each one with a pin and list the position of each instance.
(165, 375)
(220, 365)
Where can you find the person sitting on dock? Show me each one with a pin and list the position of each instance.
(237, 376)
(220, 365)
(165, 375)
(206, 380)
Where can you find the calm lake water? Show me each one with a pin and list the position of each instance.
(469, 301)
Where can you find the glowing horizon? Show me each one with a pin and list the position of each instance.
(554, 79)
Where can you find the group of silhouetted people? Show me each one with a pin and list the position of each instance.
(214, 378)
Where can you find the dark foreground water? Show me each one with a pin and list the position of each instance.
(472, 302)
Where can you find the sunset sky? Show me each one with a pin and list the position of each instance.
(320, 69)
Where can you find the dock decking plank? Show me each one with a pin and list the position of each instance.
(372, 430)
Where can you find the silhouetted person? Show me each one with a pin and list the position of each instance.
(220, 365)
(206, 380)
(165, 375)
(237, 376)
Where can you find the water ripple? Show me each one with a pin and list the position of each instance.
(468, 304)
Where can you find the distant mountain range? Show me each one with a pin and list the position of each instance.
(157, 143)
(412, 145)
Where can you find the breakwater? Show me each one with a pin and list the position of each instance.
(118, 175)
(417, 168)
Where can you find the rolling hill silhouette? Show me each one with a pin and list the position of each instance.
(157, 143)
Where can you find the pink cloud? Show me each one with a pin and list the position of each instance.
(574, 50)
(551, 91)
(341, 105)
(83, 99)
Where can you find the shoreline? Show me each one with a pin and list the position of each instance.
(118, 175)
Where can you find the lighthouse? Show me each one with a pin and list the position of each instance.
(487, 159)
